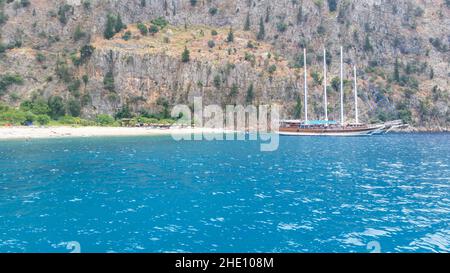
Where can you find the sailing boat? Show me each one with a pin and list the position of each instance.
(328, 127)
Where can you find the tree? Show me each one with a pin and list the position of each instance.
(56, 105)
(396, 71)
(336, 83)
(298, 108)
(164, 103)
(367, 45)
(217, 81)
(185, 56)
(230, 37)
(332, 5)
(328, 57)
(300, 15)
(124, 112)
(234, 90)
(250, 94)
(74, 107)
(119, 24)
(247, 22)
(267, 20)
(86, 53)
(109, 28)
(85, 79)
(108, 82)
(262, 31)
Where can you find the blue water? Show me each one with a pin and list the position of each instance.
(152, 194)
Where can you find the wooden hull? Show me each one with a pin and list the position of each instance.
(341, 132)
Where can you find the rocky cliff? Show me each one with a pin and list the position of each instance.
(82, 51)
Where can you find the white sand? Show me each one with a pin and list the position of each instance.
(60, 132)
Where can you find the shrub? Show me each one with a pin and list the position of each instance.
(62, 70)
(230, 37)
(37, 106)
(127, 36)
(43, 119)
(74, 87)
(185, 56)
(211, 44)
(124, 112)
(105, 120)
(160, 22)
(316, 77)
(78, 34)
(74, 107)
(142, 28)
(164, 104)
(7, 80)
(213, 11)
(250, 58)
(40, 57)
(56, 107)
(69, 120)
(217, 81)
(336, 83)
(214, 32)
(62, 13)
(153, 29)
(12, 116)
(272, 69)
(281, 27)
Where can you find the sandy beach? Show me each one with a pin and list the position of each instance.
(67, 131)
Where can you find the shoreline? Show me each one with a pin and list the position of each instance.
(34, 132)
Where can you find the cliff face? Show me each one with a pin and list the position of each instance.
(401, 49)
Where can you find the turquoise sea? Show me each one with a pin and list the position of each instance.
(152, 194)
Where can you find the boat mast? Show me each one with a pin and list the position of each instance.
(356, 96)
(325, 83)
(342, 88)
(306, 86)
